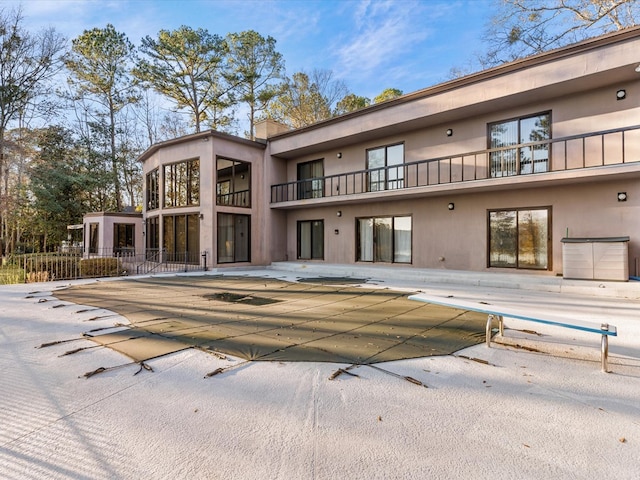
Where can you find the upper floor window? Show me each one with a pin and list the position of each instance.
(385, 165)
(516, 133)
(233, 184)
(153, 190)
(182, 183)
(310, 182)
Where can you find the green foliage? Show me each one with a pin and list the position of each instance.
(307, 98)
(387, 94)
(253, 66)
(186, 66)
(58, 182)
(100, 267)
(10, 275)
(100, 63)
(350, 103)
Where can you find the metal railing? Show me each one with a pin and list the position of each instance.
(240, 198)
(71, 264)
(596, 149)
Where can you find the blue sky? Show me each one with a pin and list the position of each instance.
(370, 44)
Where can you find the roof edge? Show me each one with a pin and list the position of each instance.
(519, 64)
(195, 136)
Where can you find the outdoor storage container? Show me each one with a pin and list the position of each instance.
(596, 258)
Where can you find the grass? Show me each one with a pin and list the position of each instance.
(10, 275)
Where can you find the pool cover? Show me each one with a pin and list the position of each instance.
(267, 319)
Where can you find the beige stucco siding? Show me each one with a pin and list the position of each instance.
(457, 239)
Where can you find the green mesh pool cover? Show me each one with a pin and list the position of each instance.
(268, 319)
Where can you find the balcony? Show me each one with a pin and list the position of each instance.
(578, 152)
(234, 199)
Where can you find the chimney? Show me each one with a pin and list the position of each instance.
(268, 127)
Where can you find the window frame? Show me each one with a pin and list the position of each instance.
(549, 242)
(191, 185)
(393, 248)
(247, 240)
(518, 150)
(172, 254)
(124, 232)
(233, 198)
(152, 189)
(312, 186)
(385, 169)
(311, 238)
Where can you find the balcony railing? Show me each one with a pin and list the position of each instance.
(596, 149)
(241, 198)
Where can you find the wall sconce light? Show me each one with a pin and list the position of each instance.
(201, 216)
(622, 196)
(638, 68)
(621, 94)
(339, 155)
(449, 132)
(451, 206)
(336, 231)
(339, 213)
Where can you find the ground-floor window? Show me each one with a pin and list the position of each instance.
(311, 240)
(152, 238)
(124, 235)
(520, 238)
(181, 238)
(234, 238)
(384, 239)
(93, 237)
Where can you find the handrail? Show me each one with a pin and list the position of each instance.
(475, 165)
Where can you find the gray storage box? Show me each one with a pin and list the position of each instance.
(596, 258)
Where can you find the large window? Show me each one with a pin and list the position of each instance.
(182, 184)
(233, 184)
(152, 237)
(153, 190)
(93, 237)
(519, 238)
(181, 238)
(523, 159)
(234, 238)
(384, 239)
(311, 240)
(310, 182)
(124, 235)
(386, 167)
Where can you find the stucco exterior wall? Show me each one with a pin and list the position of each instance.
(457, 239)
(577, 85)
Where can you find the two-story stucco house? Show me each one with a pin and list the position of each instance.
(495, 171)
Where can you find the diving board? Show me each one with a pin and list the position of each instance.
(499, 312)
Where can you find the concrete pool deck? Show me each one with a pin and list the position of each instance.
(486, 413)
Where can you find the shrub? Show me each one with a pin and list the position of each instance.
(101, 267)
(43, 267)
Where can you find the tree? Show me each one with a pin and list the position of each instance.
(524, 27)
(100, 63)
(186, 66)
(307, 98)
(27, 63)
(57, 182)
(350, 103)
(254, 64)
(387, 94)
